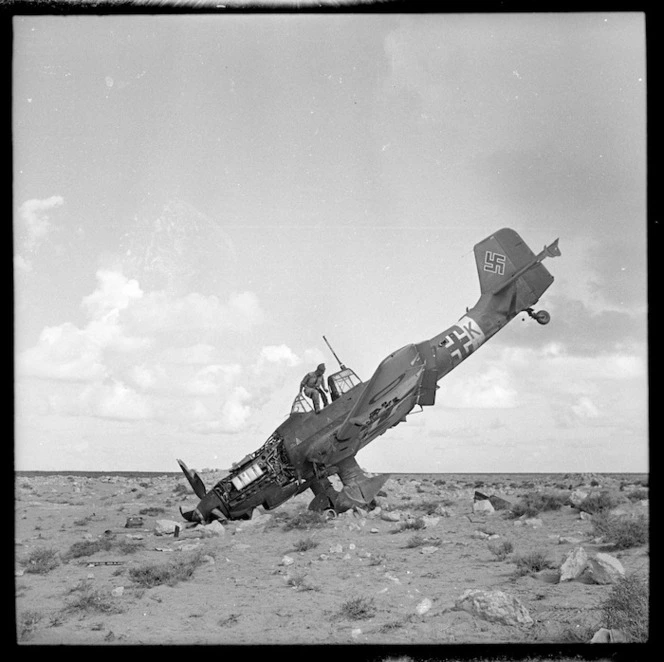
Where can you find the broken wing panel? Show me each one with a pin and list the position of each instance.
(387, 398)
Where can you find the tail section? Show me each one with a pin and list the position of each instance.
(506, 266)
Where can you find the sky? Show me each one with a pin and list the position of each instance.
(198, 199)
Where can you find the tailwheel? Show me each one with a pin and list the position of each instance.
(541, 316)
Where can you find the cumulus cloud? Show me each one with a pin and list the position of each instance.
(36, 221)
(280, 354)
(491, 389)
(154, 355)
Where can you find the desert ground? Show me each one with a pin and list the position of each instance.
(98, 561)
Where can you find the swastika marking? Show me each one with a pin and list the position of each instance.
(494, 262)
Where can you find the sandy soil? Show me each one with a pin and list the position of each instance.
(253, 587)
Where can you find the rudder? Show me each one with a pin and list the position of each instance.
(499, 257)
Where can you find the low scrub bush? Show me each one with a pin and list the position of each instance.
(415, 541)
(598, 502)
(305, 544)
(299, 583)
(621, 531)
(637, 495)
(41, 560)
(90, 600)
(27, 622)
(527, 564)
(533, 503)
(358, 608)
(170, 573)
(152, 511)
(501, 550)
(416, 524)
(88, 548)
(305, 519)
(626, 607)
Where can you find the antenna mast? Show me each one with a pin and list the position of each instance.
(341, 365)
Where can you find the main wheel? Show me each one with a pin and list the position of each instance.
(542, 317)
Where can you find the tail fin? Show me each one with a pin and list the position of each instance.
(499, 257)
(503, 259)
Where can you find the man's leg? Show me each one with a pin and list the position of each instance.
(312, 393)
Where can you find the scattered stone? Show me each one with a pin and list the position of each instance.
(390, 516)
(258, 519)
(574, 564)
(347, 557)
(134, 536)
(322, 557)
(424, 606)
(483, 506)
(287, 560)
(480, 535)
(214, 528)
(584, 515)
(374, 530)
(494, 606)
(577, 497)
(165, 527)
(355, 632)
(206, 558)
(429, 549)
(336, 549)
(430, 521)
(568, 540)
(604, 569)
(117, 591)
(535, 522)
(606, 636)
(351, 546)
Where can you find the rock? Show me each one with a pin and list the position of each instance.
(606, 636)
(604, 569)
(287, 560)
(424, 606)
(480, 535)
(429, 549)
(374, 530)
(535, 522)
(568, 540)
(214, 528)
(165, 527)
(584, 515)
(574, 564)
(483, 506)
(257, 519)
(336, 549)
(355, 632)
(390, 516)
(117, 591)
(430, 521)
(577, 497)
(494, 606)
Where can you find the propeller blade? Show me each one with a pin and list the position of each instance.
(194, 480)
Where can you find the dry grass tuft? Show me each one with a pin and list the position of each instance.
(627, 607)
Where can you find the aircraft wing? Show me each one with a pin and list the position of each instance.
(389, 395)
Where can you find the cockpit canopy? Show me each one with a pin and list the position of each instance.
(338, 383)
